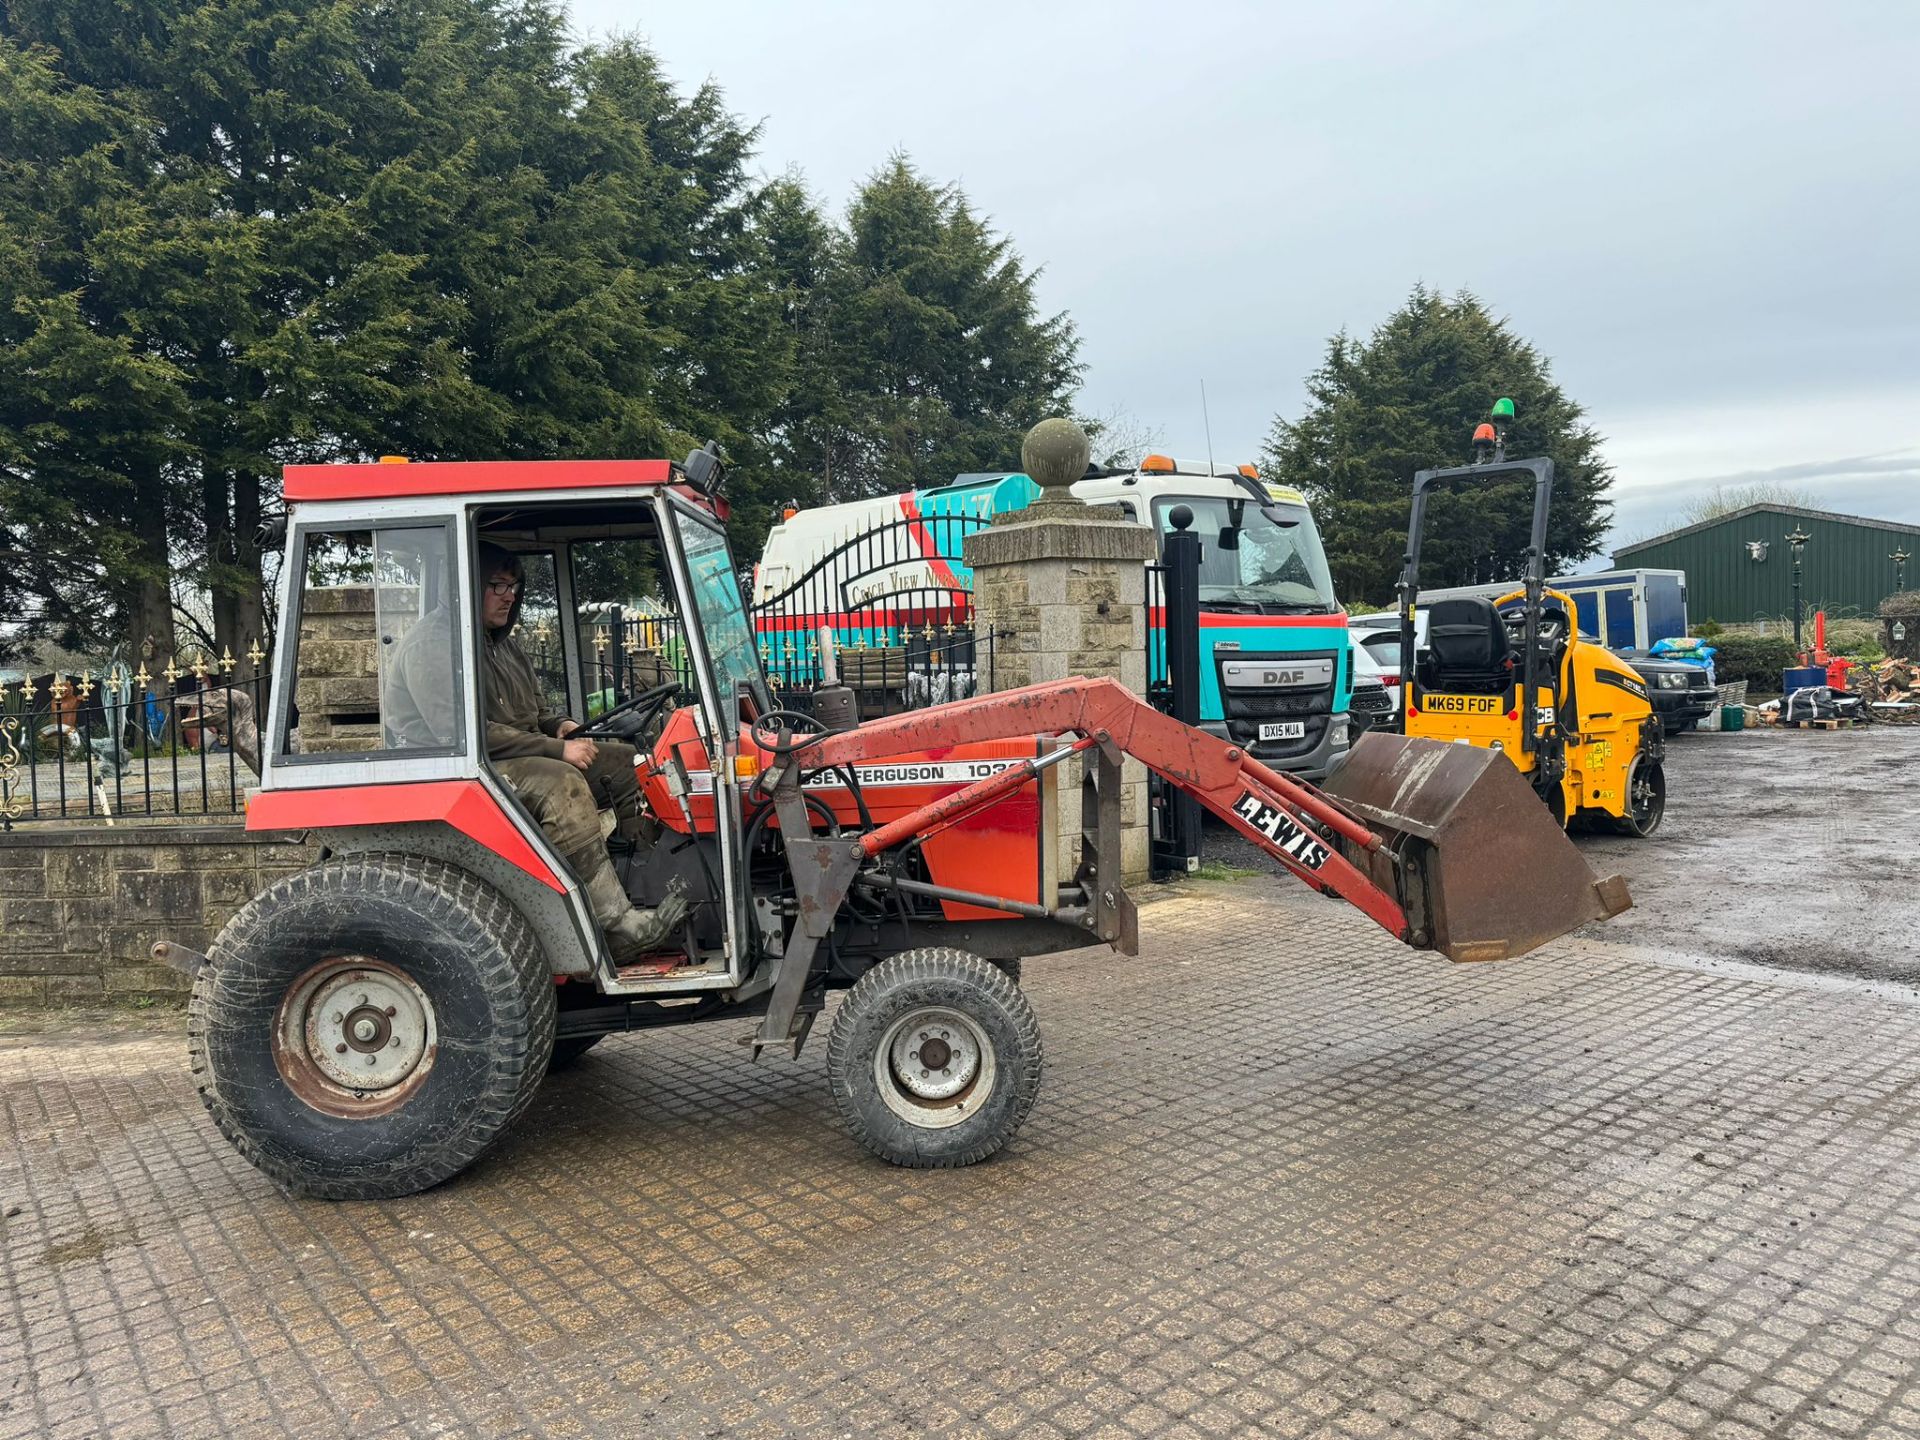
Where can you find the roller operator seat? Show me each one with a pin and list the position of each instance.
(1467, 648)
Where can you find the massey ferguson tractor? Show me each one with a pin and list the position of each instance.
(367, 1027)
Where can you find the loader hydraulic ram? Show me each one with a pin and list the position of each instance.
(1446, 849)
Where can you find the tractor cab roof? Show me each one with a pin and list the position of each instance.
(396, 479)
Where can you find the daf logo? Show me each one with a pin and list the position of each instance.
(1276, 674)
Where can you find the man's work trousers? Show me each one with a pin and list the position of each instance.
(566, 802)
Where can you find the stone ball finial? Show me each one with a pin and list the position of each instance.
(1055, 455)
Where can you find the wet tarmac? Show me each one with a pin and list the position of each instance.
(1793, 849)
(1789, 849)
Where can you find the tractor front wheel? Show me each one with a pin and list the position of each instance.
(367, 1028)
(934, 1059)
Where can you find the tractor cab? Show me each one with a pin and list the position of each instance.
(629, 609)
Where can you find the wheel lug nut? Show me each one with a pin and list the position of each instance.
(396, 1042)
(391, 1012)
(373, 1059)
(340, 1049)
(338, 1017)
(923, 1074)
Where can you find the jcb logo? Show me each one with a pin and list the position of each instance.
(1461, 704)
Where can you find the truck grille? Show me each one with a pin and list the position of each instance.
(1243, 710)
(1276, 704)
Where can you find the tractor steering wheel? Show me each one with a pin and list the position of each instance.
(652, 700)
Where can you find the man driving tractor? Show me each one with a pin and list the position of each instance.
(563, 778)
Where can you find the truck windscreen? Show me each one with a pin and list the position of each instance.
(1255, 555)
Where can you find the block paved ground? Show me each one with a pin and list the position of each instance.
(1284, 1178)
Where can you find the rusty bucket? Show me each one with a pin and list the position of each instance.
(1481, 868)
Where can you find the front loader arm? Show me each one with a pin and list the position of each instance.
(1284, 817)
(1455, 852)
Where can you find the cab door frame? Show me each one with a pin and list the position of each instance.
(718, 720)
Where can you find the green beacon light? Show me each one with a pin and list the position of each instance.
(1503, 411)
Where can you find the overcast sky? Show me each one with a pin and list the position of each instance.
(1708, 216)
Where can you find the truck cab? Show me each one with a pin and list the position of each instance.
(1276, 675)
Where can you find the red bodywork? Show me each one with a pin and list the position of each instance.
(463, 804)
(993, 851)
(403, 480)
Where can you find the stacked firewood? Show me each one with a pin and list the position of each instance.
(1891, 688)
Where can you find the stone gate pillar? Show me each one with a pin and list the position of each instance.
(1062, 587)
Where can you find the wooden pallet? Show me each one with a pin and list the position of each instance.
(1818, 724)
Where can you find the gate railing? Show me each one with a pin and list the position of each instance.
(121, 743)
(893, 605)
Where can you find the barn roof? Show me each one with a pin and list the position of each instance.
(1747, 510)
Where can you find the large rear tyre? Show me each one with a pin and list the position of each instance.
(367, 1028)
(1646, 799)
(934, 1059)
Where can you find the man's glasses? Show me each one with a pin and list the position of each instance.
(504, 587)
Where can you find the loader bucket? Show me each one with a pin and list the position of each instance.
(1480, 867)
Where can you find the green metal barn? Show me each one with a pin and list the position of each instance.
(1740, 566)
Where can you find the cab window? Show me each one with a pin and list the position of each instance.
(376, 654)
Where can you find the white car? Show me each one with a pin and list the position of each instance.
(1375, 701)
(1376, 653)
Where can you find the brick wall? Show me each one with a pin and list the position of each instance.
(80, 907)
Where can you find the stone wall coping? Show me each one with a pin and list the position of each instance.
(213, 832)
(1085, 537)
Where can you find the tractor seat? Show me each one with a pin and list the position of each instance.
(1468, 651)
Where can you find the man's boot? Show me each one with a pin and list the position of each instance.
(631, 930)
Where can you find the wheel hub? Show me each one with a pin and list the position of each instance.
(934, 1067)
(355, 1036)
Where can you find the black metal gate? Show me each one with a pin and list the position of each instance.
(889, 610)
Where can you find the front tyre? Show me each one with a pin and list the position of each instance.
(934, 1059)
(367, 1028)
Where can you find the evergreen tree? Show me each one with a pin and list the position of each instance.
(234, 235)
(940, 355)
(1408, 398)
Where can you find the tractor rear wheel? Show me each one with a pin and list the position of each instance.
(934, 1059)
(367, 1028)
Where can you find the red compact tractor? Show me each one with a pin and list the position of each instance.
(367, 1027)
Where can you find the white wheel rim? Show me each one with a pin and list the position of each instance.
(934, 1067)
